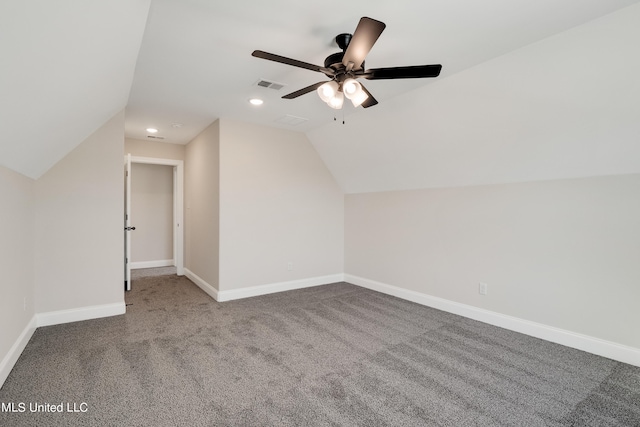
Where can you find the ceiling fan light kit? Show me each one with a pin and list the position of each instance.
(344, 68)
(333, 94)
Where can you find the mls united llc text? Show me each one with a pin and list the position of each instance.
(44, 407)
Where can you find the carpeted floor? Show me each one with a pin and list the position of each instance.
(333, 355)
(139, 273)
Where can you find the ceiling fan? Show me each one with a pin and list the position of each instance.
(344, 68)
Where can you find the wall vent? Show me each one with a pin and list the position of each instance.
(155, 137)
(269, 84)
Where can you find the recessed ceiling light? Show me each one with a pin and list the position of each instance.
(152, 130)
(256, 101)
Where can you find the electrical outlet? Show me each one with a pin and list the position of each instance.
(482, 288)
(290, 266)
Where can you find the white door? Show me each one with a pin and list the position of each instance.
(127, 222)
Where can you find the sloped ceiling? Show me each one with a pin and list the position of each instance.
(72, 67)
(67, 68)
(195, 63)
(565, 107)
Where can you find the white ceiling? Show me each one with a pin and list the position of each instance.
(564, 107)
(71, 68)
(67, 68)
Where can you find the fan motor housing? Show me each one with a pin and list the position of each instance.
(333, 59)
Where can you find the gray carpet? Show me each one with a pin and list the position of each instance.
(334, 355)
(139, 273)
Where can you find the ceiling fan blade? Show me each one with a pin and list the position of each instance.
(370, 101)
(366, 34)
(412, 72)
(288, 61)
(303, 90)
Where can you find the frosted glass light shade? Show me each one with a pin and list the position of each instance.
(353, 90)
(359, 98)
(328, 90)
(350, 87)
(337, 101)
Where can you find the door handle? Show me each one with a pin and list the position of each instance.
(129, 228)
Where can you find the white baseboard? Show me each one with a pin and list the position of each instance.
(78, 314)
(9, 361)
(152, 264)
(210, 290)
(582, 342)
(278, 287)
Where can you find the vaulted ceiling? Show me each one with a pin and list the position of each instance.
(529, 90)
(67, 68)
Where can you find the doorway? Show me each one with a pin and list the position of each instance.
(177, 167)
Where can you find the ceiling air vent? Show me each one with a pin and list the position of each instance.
(155, 137)
(270, 85)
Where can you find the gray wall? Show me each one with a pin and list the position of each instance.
(202, 189)
(561, 253)
(16, 257)
(79, 225)
(151, 213)
(278, 204)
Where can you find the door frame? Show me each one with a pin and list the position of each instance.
(178, 205)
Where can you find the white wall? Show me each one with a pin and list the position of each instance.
(202, 166)
(278, 204)
(79, 225)
(151, 213)
(16, 260)
(561, 253)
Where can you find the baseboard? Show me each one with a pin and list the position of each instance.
(9, 361)
(79, 314)
(210, 290)
(582, 342)
(152, 264)
(271, 288)
(253, 291)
